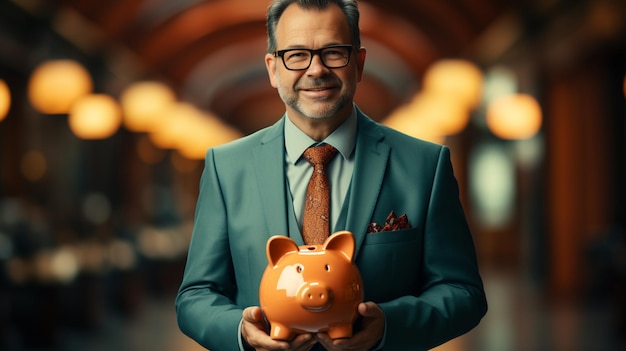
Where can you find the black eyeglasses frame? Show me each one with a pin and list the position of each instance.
(281, 54)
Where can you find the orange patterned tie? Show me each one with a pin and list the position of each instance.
(316, 221)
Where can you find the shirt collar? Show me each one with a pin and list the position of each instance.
(343, 138)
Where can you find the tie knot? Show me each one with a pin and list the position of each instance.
(321, 154)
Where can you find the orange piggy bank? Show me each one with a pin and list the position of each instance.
(313, 288)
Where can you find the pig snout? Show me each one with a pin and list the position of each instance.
(315, 297)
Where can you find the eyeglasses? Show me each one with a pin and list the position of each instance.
(335, 56)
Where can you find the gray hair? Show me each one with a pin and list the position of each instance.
(277, 7)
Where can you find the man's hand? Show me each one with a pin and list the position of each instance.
(254, 332)
(368, 332)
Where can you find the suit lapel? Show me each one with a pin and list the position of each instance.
(269, 163)
(370, 165)
(369, 170)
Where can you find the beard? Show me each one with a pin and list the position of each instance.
(323, 108)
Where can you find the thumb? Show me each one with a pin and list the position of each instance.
(252, 314)
(368, 309)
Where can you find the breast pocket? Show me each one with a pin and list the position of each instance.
(390, 264)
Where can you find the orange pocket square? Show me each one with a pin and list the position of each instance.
(392, 223)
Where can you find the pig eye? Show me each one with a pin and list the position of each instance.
(327, 268)
(299, 268)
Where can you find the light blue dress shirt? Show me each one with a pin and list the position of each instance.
(299, 170)
(339, 170)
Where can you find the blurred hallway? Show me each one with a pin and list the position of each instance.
(519, 319)
(153, 328)
(94, 230)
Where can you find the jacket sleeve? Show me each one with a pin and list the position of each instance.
(451, 300)
(204, 304)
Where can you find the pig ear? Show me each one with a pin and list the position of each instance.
(342, 241)
(278, 246)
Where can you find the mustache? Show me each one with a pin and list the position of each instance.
(313, 83)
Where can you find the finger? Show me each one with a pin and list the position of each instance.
(338, 344)
(325, 340)
(252, 314)
(363, 309)
(303, 342)
(253, 329)
(369, 309)
(260, 340)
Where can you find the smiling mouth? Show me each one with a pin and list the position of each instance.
(318, 89)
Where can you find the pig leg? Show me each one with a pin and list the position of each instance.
(340, 331)
(280, 332)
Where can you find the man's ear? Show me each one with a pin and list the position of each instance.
(270, 65)
(360, 62)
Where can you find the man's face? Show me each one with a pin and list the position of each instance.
(317, 92)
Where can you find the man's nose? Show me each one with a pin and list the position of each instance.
(317, 66)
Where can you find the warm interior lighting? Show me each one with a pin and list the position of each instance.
(92, 256)
(457, 79)
(175, 122)
(56, 85)
(190, 130)
(96, 116)
(209, 131)
(64, 265)
(158, 243)
(142, 104)
(430, 116)
(446, 115)
(404, 120)
(5, 99)
(451, 89)
(514, 116)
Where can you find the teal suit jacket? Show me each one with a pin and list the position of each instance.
(425, 278)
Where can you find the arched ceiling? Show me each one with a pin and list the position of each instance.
(212, 51)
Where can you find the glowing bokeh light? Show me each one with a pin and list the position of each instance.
(178, 119)
(96, 116)
(64, 265)
(142, 104)
(56, 85)
(430, 116)
(209, 131)
(448, 116)
(403, 120)
(499, 81)
(492, 184)
(5, 99)
(458, 79)
(92, 257)
(514, 117)
(161, 243)
(190, 131)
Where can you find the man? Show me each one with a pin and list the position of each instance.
(421, 282)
